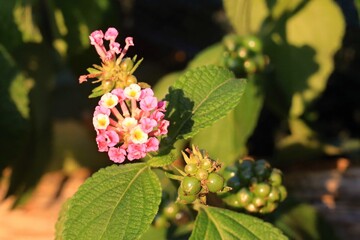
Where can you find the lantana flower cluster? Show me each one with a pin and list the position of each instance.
(129, 123)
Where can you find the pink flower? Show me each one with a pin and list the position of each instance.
(162, 106)
(83, 78)
(119, 92)
(96, 37)
(157, 115)
(111, 34)
(129, 122)
(103, 110)
(102, 144)
(117, 154)
(148, 124)
(152, 144)
(112, 138)
(115, 47)
(162, 130)
(136, 151)
(129, 41)
(148, 103)
(147, 92)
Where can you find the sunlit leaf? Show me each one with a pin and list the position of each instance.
(199, 98)
(115, 203)
(217, 223)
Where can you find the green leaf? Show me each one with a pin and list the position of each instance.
(217, 223)
(235, 129)
(162, 160)
(162, 86)
(246, 16)
(210, 55)
(59, 226)
(117, 202)
(201, 97)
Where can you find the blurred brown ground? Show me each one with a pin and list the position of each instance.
(35, 220)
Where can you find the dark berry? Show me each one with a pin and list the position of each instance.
(234, 182)
(262, 169)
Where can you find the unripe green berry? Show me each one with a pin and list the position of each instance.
(230, 42)
(186, 198)
(250, 66)
(229, 172)
(206, 164)
(245, 196)
(191, 169)
(260, 61)
(262, 189)
(274, 194)
(242, 52)
(215, 182)
(171, 210)
(252, 43)
(191, 185)
(202, 174)
(268, 208)
(160, 221)
(233, 201)
(251, 208)
(275, 177)
(283, 192)
(258, 201)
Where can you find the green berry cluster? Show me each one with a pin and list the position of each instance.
(171, 213)
(256, 187)
(200, 176)
(243, 54)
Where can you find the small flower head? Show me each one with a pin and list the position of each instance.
(109, 100)
(133, 91)
(101, 121)
(129, 123)
(116, 71)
